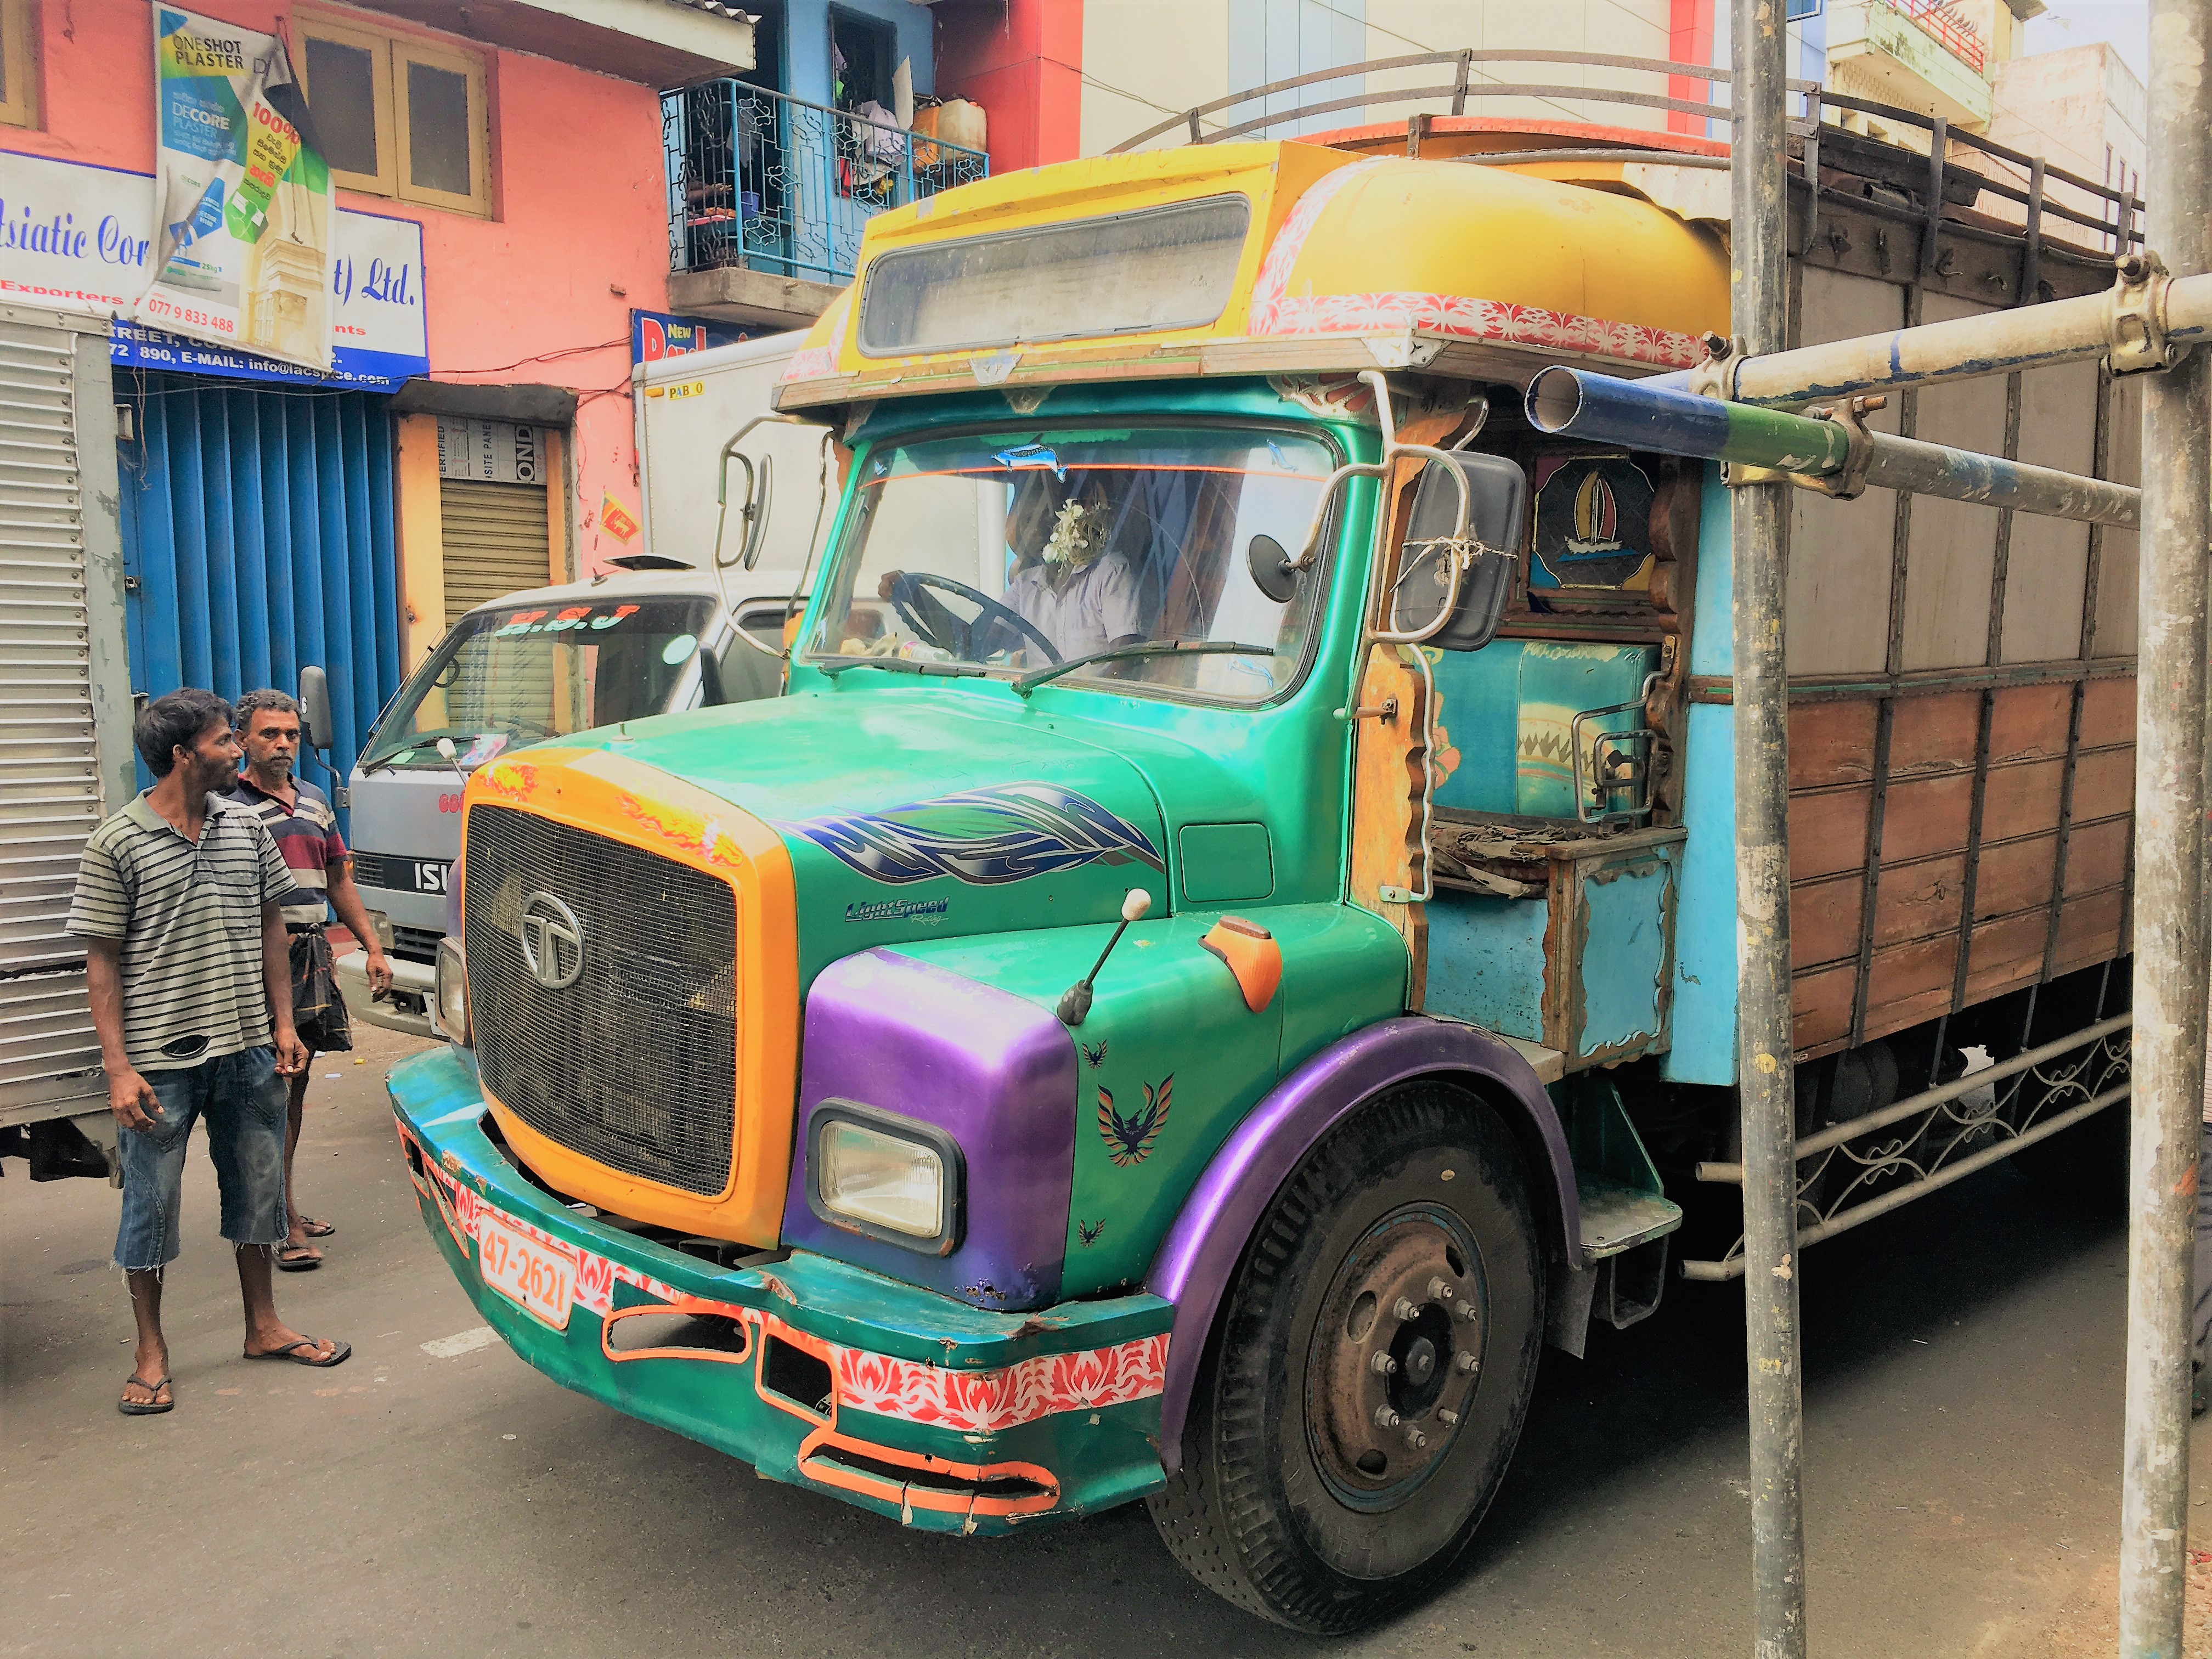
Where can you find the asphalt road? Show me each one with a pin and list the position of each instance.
(1963, 1396)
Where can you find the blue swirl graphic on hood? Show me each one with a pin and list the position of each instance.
(985, 837)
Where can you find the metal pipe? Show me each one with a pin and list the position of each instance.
(2168, 1052)
(1836, 1134)
(1759, 522)
(1718, 1273)
(1999, 342)
(1577, 402)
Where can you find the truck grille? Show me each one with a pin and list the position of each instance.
(635, 1064)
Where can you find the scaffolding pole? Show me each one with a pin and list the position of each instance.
(1758, 279)
(2170, 972)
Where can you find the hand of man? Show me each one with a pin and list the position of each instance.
(291, 1054)
(132, 1099)
(891, 579)
(379, 972)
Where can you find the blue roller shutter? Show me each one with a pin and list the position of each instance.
(257, 538)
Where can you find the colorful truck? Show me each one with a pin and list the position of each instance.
(1227, 946)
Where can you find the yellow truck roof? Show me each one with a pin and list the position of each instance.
(1348, 261)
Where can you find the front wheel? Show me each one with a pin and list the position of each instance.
(1375, 1361)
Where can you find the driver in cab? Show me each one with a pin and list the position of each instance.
(1078, 593)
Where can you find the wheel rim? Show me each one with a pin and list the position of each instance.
(1396, 1356)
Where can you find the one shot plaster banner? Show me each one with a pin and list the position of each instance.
(242, 197)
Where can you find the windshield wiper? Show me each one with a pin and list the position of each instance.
(1037, 677)
(835, 665)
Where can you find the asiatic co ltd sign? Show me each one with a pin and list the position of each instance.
(76, 238)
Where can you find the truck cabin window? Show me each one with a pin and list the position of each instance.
(505, 678)
(1020, 550)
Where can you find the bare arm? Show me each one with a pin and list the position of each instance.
(345, 899)
(277, 977)
(130, 1096)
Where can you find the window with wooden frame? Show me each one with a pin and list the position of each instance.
(19, 63)
(399, 116)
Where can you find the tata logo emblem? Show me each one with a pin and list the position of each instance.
(552, 941)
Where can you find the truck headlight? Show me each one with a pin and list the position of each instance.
(453, 992)
(885, 1176)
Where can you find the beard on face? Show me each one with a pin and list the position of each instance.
(278, 767)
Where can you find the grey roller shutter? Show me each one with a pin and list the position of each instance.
(49, 797)
(495, 541)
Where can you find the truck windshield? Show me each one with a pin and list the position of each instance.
(1015, 549)
(515, 675)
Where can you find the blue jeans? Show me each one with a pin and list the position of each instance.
(242, 1099)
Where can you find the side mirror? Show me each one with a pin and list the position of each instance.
(315, 728)
(1495, 495)
(1272, 573)
(752, 508)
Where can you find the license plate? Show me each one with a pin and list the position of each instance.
(536, 1276)
(428, 875)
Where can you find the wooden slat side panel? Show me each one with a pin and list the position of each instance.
(1933, 733)
(1828, 832)
(2022, 800)
(2016, 875)
(1926, 816)
(1824, 920)
(2108, 711)
(1821, 1005)
(2029, 722)
(2090, 929)
(1832, 743)
(2097, 856)
(1919, 901)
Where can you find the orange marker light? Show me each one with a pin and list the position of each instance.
(1252, 954)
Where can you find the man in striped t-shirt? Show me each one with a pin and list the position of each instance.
(306, 831)
(189, 982)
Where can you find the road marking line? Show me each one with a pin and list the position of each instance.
(453, 1348)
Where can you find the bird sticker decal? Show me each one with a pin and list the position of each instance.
(1093, 1057)
(1089, 1231)
(984, 837)
(1129, 1139)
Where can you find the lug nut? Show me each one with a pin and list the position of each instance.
(1439, 1291)
(1383, 1364)
(1414, 1437)
(1468, 1363)
(1385, 1417)
(1448, 1419)
(1406, 1310)
(1466, 1310)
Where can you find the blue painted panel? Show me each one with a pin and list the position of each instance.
(1704, 1048)
(1509, 709)
(1625, 950)
(258, 526)
(1486, 962)
(1712, 641)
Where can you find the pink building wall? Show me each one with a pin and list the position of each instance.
(538, 294)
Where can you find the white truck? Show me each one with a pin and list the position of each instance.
(689, 622)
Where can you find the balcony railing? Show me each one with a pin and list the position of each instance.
(776, 184)
(1947, 29)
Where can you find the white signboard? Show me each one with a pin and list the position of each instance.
(79, 239)
(495, 452)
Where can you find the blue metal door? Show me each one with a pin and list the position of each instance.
(257, 539)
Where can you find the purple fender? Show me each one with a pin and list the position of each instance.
(1201, 1255)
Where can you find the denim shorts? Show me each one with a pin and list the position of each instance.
(242, 1099)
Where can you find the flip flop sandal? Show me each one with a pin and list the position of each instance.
(153, 1407)
(297, 1259)
(315, 1229)
(339, 1354)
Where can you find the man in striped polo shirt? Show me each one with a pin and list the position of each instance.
(306, 830)
(189, 983)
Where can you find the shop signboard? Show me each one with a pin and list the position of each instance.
(491, 452)
(655, 335)
(78, 237)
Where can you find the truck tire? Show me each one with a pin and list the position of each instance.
(1323, 1489)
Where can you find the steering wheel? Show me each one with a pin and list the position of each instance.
(906, 596)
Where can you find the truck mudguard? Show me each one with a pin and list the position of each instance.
(1200, 1254)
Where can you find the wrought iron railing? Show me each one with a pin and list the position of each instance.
(1940, 23)
(775, 184)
